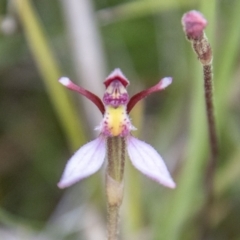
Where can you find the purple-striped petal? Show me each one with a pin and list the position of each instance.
(65, 81)
(161, 85)
(147, 160)
(86, 161)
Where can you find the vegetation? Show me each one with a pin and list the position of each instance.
(42, 123)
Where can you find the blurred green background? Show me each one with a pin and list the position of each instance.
(42, 123)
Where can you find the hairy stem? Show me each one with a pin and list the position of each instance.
(113, 218)
(194, 24)
(208, 86)
(116, 154)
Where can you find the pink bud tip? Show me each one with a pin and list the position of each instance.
(165, 82)
(193, 23)
(65, 81)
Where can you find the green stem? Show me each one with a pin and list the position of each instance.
(50, 72)
(116, 154)
(225, 62)
(112, 228)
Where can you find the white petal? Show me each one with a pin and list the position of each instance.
(166, 82)
(86, 161)
(65, 81)
(147, 160)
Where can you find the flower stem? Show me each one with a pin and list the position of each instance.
(116, 154)
(194, 24)
(112, 227)
(208, 86)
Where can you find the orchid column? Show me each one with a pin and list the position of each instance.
(114, 142)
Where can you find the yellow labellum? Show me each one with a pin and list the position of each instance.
(115, 121)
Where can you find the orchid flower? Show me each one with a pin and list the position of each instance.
(115, 108)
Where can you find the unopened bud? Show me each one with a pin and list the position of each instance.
(194, 24)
